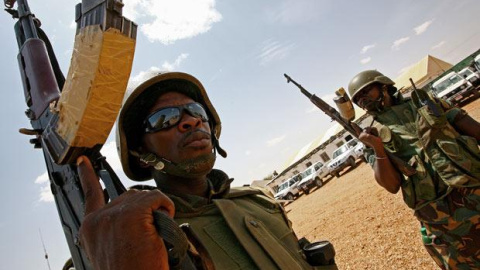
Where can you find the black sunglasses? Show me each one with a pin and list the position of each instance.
(170, 116)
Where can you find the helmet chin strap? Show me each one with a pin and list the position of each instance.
(191, 168)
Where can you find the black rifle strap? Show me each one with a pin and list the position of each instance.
(175, 240)
(53, 59)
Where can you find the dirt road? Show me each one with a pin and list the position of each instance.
(369, 227)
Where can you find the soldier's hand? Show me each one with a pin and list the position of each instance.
(369, 136)
(121, 234)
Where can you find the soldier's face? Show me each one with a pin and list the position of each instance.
(368, 97)
(188, 139)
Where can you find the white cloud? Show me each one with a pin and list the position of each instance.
(367, 48)
(365, 60)
(137, 79)
(45, 191)
(73, 25)
(438, 45)
(291, 12)
(109, 150)
(422, 28)
(174, 66)
(141, 77)
(398, 42)
(169, 21)
(129, 10)
(275, 141)
(46, 194)
(248, 153)
(42, 178)
(273, 50)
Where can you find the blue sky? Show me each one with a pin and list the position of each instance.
(239, 50)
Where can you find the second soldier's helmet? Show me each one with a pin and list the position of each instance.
(364, 79)
(135, 109)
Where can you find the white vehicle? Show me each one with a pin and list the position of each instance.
(453, 88)
(312, 177)
(476, 62)
(346, 155)
(470, 75)
(358, 147)
(288, 190)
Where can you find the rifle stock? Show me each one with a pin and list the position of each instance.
(349, 126)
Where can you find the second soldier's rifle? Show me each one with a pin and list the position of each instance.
(349, 126)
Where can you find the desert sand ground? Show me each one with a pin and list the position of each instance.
(369, 227)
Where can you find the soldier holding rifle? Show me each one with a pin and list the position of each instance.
(441, 144)
(169, 130)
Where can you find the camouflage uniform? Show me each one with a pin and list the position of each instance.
(238, 228)
(445, 191)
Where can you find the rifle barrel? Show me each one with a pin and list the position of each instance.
(303, 90)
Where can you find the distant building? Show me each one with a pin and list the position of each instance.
(422, 72)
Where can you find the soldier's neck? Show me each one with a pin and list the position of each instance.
(182, 186)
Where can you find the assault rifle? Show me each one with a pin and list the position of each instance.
(42, 80)
(345, 121)
(60, 111)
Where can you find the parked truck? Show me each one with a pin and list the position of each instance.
(476, 62)
(473, 76)
(346, 155)
(453, 88)
(289, 189)
(313, 177)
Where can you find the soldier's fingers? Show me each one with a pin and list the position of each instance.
(154, 200)
(367, 130)
(92, 189)
(371, 130)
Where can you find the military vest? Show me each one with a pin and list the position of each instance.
(243, 230)
(443, 158)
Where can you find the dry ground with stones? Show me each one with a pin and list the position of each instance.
(369, 227)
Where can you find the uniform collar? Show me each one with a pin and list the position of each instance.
(218, 188)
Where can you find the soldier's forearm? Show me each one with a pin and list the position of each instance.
(466, 125)
(386, 174)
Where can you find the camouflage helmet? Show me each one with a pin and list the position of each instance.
(136, 107)
(364, 79)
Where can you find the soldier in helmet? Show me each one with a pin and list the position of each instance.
(169, 130)
(441, 144)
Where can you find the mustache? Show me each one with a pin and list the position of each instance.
(194, 135)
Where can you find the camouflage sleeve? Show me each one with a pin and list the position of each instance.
(454, 113)
(450, 111)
